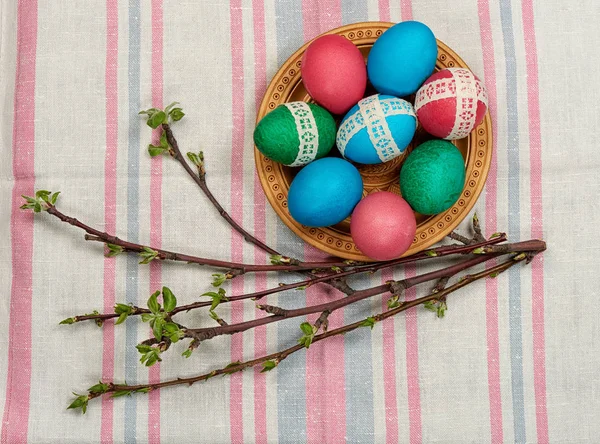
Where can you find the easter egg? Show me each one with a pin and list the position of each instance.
(383, 226)
(334, 73)
(295, 133)
(432, 177)
(325, 192)
(402, 58)
(451, 103)
(377, 129)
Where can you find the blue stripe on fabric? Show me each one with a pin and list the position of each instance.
(133, 223)
(354, 11)
(358, 353)
(514, 229)
(291, 377)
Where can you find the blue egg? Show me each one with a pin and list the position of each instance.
(402, 59)
(377, 129)
(325, 192)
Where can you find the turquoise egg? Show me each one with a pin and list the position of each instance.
(325, 192)
(432, 177)
(402, 59)
(377, 129)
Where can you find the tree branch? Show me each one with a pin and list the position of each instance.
(276, 358)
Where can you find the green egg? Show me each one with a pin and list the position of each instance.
(295, 133)
(432, 177)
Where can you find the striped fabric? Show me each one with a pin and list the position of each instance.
(515, 359)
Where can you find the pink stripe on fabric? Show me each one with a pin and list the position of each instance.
(384, 10)
(237, 209)
(389, 371)
(406, 10)
(156, 169)
(412, 363)
(320, 16)
(325, 380)
(260, 228)
(537, 218)
(110, 207)
(491, 193)
(18, 381)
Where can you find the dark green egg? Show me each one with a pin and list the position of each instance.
(432, 177)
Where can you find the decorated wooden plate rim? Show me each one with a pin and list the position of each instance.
(335, 241)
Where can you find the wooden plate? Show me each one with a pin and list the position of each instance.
(275, 178)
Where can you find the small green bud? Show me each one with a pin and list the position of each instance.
(268, 366)
(369, 322)
(80, 402)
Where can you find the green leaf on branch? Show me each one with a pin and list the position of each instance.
(495, 235)
(176, 114)
(196, 159)
(150, 355)
(217, 298)
(268, 366)
(123, 310)
(43, 195)
(438, 307)
(336, 269)
(169, 299)
(99, 388)
(153, 304)
(157, 119)
(155, 150)
(309, 334)
(157, 327)
(430, 305)
(67, 321)
(479, 250)
(114, 250)
(144, 390)
(431, 253)
(194, 343)
(42, 201)
(173, 332)
(276, 259)
(54, 197)
(148, 255)
(441, 309)
(394, 302)
(218, 279)
(369, 322)
(80, 402)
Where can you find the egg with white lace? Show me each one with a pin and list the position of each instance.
(377, 129)
(295, 133)
(451, 103)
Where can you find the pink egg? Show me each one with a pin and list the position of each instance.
(383, 226)
(334, 73)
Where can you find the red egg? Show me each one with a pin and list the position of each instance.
(451, 103)
(334, 73)
(383, 226)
